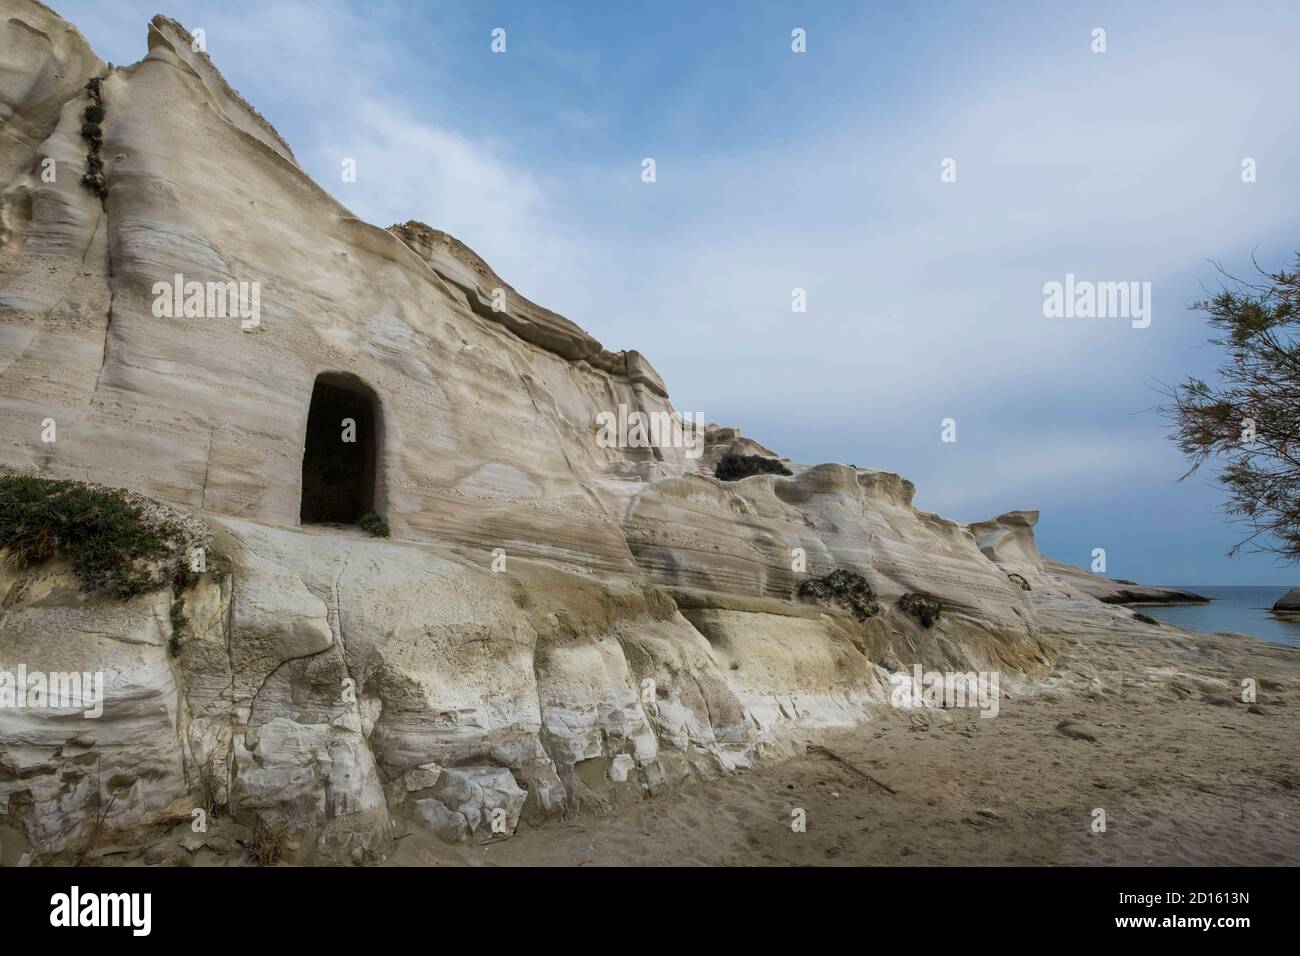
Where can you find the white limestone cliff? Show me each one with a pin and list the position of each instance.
(647, 627)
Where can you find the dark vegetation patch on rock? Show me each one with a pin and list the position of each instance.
(183, 575)
(924, 608)
(93, 133)
(1145, 618)
(1019, 581)
(114, 544)
(734, 467)
(373, 525)
(846, 589)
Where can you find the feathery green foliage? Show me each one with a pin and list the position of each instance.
(113, 546)
(1256, 396)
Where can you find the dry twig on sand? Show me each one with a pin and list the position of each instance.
(827, 752)
(94, 834)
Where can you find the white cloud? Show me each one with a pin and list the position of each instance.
(409, 168)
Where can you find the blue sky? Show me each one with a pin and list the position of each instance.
(821, 170)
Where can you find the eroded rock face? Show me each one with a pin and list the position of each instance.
(1008, 541)
(55, 762)
(554, 625)
(467, 800)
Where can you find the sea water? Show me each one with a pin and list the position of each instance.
(1241, 609)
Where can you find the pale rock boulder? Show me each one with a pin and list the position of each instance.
(1289, 602)
(306, 776)
(422, 777)
(622, 673)
(436, 652)
(275, 617)
(449, 825)
(67, 764)
(787, 669)
(592, 714)
(1008, 540)
(473, 801)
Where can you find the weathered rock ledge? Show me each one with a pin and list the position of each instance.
(1009, 540)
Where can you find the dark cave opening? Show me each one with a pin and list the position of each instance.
(340, 452)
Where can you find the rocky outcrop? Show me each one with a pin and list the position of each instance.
(1289, 602)
(1111, 591)
(557, 624)
(1008, 540)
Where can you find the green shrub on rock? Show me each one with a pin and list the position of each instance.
(113, 545)
(734, 467)
(847, 589)
(95, 183)
(91, 131)
(922, 607)
(373, 525)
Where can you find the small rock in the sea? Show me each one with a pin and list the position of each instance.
(1078, 730)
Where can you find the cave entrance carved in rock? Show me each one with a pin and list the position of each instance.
(340, 451)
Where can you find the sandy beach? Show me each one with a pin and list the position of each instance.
(1185, 773)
